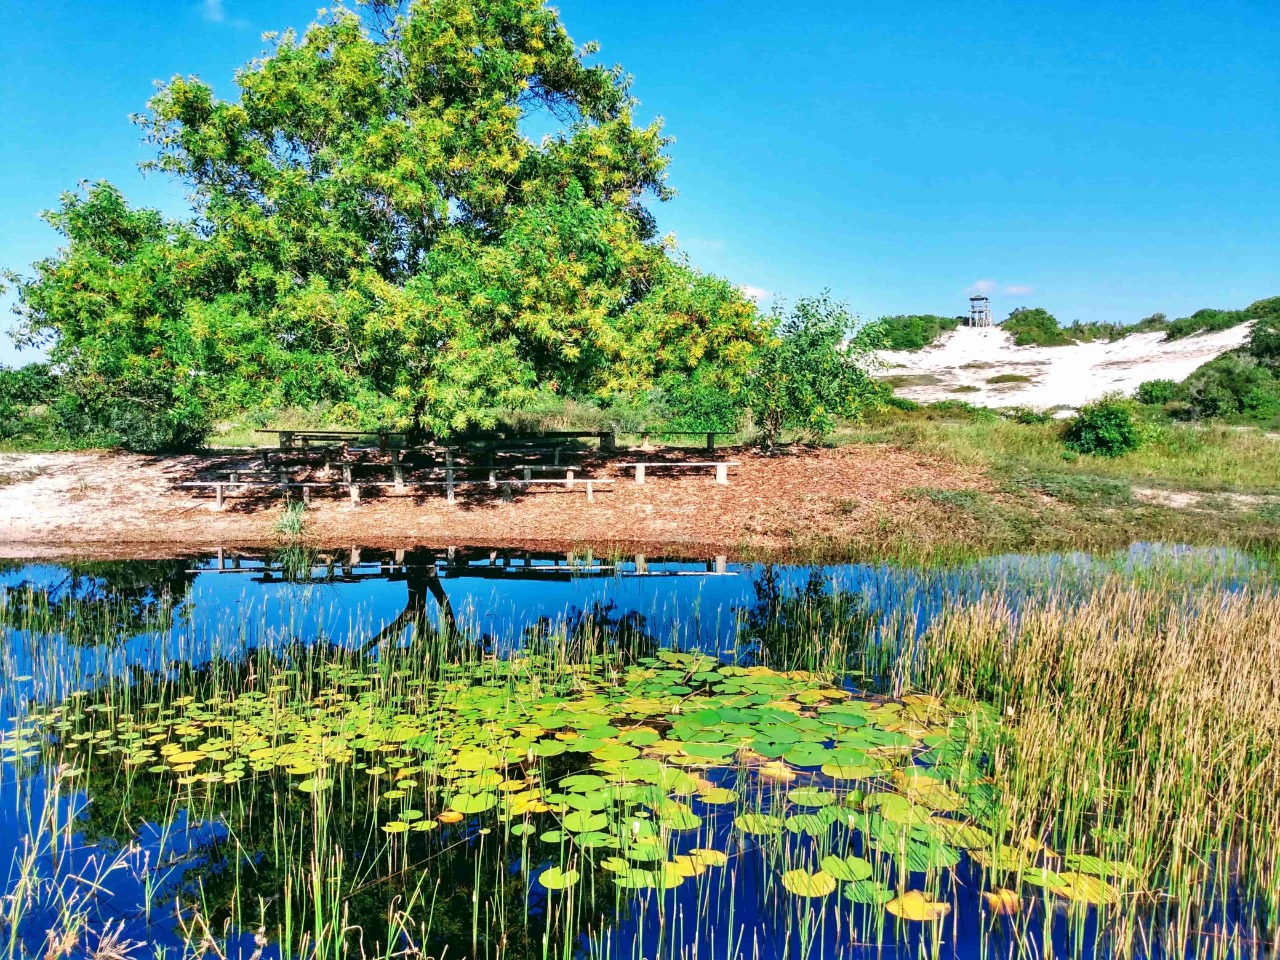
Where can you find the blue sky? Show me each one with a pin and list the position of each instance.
(1103, 160)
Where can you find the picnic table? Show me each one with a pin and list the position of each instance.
(288, 438)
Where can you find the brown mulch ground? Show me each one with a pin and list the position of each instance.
(132, 505)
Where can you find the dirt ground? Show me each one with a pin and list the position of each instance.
(117, 504)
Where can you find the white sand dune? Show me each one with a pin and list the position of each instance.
(970, 357)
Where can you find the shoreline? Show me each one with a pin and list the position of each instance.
(796, 503)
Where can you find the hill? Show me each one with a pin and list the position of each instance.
(984, 366)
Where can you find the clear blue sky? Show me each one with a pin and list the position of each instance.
(1102, 159)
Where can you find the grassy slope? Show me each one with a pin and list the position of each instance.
(1225, 482)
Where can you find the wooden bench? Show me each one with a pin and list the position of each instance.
(221, 488)
(721, 467)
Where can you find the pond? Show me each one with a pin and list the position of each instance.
(481, 752)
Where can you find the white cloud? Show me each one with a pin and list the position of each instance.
(982, 286)
(213, 11)
(755, 293)
(1019, 289)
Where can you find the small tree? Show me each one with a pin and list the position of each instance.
(811, 373)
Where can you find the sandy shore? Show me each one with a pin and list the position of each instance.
(113, 504)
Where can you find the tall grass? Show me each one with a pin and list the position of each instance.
(1143, 723)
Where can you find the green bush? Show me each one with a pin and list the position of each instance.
(1234, 385)
(1204, 321)
(1159, 392)
(1035, 326)
(1009, 378)
(1026, 415)
(908, 332)
(896, 402)
(1106, 428)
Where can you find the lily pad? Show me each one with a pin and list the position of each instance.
(805, 884)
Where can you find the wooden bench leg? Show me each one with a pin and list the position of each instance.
(568, 478)
(493, 479)
(306, 495)
(711, 443)
(221, 501)
(448, 485)
(355, 492)
(397, 472)
(639, 468)
(591, 494)
(528, 474)
(722, 474)
(506, 490)
(642, 563)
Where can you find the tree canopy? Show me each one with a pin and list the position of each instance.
(374, 226)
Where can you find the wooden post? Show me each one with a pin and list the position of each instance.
(506, 490)
(722, 563)
(591, 496)
(306, 495)
(711, 442)
(640, 473)
(528, 474)
(395, 455)
(284, 477)
(355, 556)
(608, 441)
(722, 474)
(493, 479)
(235, 476)
(346, 473)
(218, 490)
(400, 556)
(568, 478)
(397, 472)
(556, 454)
(355, 492)
(448, 484)
(383, 441)
(222, 559)
(328, 463)
(266, 460)
(642, 563)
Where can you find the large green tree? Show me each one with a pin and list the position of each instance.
(375, 226)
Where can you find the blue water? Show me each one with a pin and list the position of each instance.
(150, 614)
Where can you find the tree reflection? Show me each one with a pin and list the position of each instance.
(813, 626)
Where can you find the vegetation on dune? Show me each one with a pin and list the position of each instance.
(907, 332)
(1238, 386)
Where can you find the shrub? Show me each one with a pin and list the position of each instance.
(911, 332)
(1234, 385)
(1204, 321)
(811, 374)
(901, 403)
(1009, 378)
(1158, 392)
(1035, 326)
(1027, 416)
(1105, 428)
